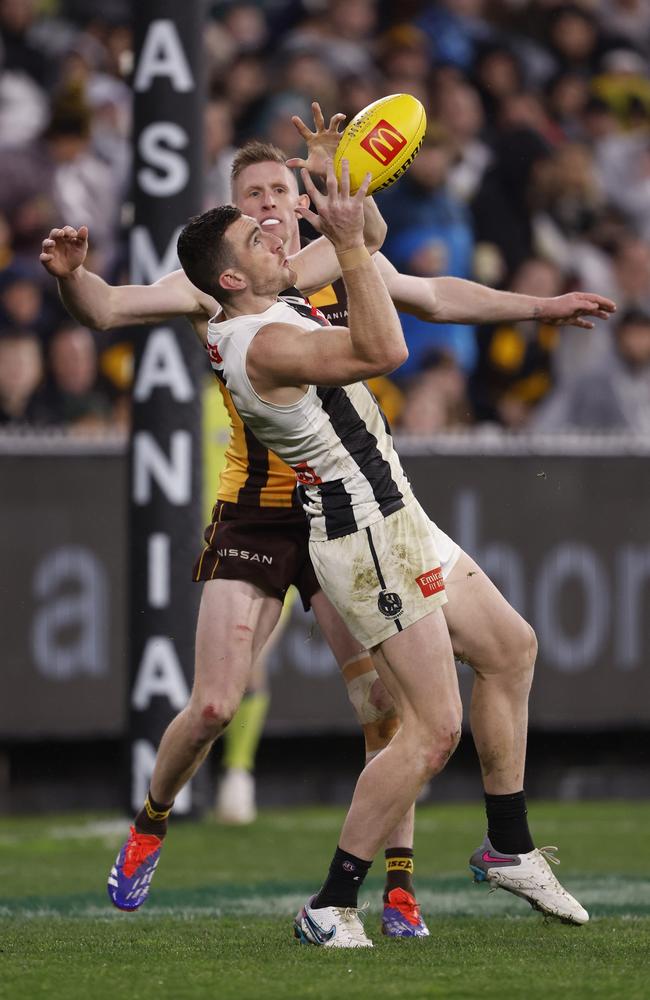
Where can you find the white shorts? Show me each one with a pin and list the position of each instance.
(387, 576)
(447, 549)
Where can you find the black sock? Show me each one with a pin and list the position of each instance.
(507, 823)
(341, 887)
(399, 870)
(153, 817)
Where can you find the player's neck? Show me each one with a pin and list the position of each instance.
(292, 245)
(249, 304)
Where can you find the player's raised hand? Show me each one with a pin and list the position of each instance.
(321, 143)
(575, 309)
(64, 250)
(340, 214)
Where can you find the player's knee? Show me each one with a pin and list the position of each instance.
(439, 747)
(212, 718)
(516, 661)
(531, 648)
(438, 753)
(525, 653)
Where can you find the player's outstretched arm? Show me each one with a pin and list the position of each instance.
(455, 300)
(93, 302)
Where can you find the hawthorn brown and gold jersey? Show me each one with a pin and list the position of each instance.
(332, 302)
(253, 476)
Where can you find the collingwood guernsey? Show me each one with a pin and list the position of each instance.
(335, 438)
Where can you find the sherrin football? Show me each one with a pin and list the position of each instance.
(383, 140)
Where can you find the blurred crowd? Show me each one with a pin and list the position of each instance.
(534, 177)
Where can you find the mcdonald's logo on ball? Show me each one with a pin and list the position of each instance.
(382, 140)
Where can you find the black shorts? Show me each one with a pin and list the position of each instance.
(266, 546)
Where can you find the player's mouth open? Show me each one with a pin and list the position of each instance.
(270, 222)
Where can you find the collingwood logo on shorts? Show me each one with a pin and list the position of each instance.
(390, 604)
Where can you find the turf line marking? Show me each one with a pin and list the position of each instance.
(603, 896)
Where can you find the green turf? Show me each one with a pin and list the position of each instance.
(217, 924)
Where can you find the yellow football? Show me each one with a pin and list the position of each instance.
(382, 140)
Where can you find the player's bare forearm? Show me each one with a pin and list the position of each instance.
(84, 294)
(317, 265)
(95, 303)
(460, 301)
(456, 300)
(87, 298)
(376, 338)
(374, 226)
(375, 330)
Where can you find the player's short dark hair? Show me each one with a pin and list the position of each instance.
(204, 250)
(255, 151)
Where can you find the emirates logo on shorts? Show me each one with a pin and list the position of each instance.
(390, 604)
(431, 582)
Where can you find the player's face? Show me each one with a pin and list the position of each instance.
(268, 192)
(260, 256)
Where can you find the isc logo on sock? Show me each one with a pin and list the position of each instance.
(399, 864)
(430, 582)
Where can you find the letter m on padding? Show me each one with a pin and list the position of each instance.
(384, 142)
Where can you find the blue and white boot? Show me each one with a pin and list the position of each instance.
(330, 927)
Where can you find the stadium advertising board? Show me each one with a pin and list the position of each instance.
(62, 599)
(165, 449)
(564, 537)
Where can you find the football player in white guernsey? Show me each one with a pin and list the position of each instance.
(300, 390)
(486, 632)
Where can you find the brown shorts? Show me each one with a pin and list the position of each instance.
(266, 546)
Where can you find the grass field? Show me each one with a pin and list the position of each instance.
(218, 921)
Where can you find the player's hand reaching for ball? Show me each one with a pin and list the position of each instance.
(340, 214)
(575, 309)
(64, 250)
(321, 144)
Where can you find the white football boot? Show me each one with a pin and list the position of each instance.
(235, 803)
(529, 876)
(330, 927)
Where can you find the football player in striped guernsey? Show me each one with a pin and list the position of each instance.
(302, 393)
(502, 657)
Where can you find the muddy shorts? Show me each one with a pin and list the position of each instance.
(385, 577)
